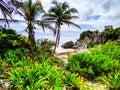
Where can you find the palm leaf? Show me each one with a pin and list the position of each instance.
(5, 11)
(45, 25)
(65, 6)
(11, 21)
(72, 10)
(68, 17)
(71, 23)
(55, 2)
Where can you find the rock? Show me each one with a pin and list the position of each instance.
(80, 44)
(68, 44)
(76, 47)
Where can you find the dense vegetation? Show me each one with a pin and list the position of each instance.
(92, 38)
(103, 63)
(43, 70)
(26, 64)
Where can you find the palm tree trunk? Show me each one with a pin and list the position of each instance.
(31, 35)
(57, 37)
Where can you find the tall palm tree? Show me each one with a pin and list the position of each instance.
(60, 14)
(29, 11)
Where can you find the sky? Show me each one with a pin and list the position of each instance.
(93, 15)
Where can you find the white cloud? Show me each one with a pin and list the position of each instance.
(108, 10)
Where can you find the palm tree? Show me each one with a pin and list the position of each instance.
(5, 10)
(29, 11)
(60, 14)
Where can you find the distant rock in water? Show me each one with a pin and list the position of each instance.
(68, 44)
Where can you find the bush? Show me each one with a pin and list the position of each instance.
(113, 80)
(9, 39)
(43, 76)
(92, 66)
(110, 49)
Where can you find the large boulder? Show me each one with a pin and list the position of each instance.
(68, 44)
(76, 46)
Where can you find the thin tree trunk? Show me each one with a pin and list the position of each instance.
(57, 38)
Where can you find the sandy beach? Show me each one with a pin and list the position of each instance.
(61, 50)
(63, 53)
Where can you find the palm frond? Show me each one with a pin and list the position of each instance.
(55, 2)
(71, 23)
(49, 15)
(17, 3)
(68, 17)
(52, 10)
(20, 13)
(65, 6)
(72, 10)
(5, 11)
(44, 25)
(11, 21)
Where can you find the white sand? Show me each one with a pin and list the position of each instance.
(62, 50)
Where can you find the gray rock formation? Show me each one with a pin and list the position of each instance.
(68, 44)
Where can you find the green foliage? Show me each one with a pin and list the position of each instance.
(10, 40)
(103, 59)
(110, 49)
(92, 65)
(17, 57)
(43, 76)
(59, 14)
(1, 64)
(96, 37)
(87, 33)
(45, 47)
(114, 34)
(26, 73)
(73, 81)
(113, 80)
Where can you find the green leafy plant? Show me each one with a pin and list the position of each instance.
(113, 80)
(12, 57)
(92, 65)
(110, 49)
(10, 40)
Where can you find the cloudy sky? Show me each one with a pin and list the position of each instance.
(94, 14)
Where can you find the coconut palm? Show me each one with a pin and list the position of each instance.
(29, 11)
(5, 10)
(60, 14)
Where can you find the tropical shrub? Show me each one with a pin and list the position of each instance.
(45, 47)
(110, 49)
(43, 76)
(112, 80)
(1, 65)
(91, 66)
(9, 39)
(114, 34)
(73, 81)
(14, 56)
